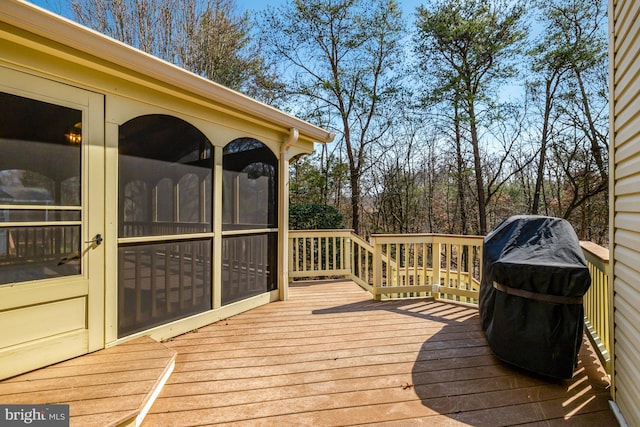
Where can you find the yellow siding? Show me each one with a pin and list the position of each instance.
(41, 321)
(625, 199)
(60, 318)
(43, 352)
(37, 293)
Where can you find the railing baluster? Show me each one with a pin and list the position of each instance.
(425, 279)
(398, 264)
(304, 254)
(459, 262)
(329, 264)
(435, 253)
(415, 271)
(447, 267)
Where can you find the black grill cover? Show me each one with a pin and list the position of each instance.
(534, 277)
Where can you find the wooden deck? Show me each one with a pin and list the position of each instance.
(111, 387)
(331, 356)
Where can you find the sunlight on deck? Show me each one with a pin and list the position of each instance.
(332, 356)
(329, 356)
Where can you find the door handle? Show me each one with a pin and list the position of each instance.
(96, 240)
(94, 243)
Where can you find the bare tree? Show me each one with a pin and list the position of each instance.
(145, 24)
(207, 37)
(550, 66)
(338, 57)
(569, 86)
(569, 79)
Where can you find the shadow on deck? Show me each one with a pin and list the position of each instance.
(329, 356)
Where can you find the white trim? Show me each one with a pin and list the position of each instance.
(156, 391)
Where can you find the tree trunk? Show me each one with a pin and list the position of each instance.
(543, 149)
(477, 161)
(593, 133)
(460, 172)
(355, 202)
(354, 176)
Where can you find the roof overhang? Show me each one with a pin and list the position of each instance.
(43, 23)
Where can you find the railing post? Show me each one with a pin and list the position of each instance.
(348, 254)
(290, 255)
(377, 268)
(435, 286)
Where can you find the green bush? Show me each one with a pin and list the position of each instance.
(314, 217)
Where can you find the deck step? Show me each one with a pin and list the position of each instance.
(111, 387)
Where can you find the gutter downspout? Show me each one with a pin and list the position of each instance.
(283, 213)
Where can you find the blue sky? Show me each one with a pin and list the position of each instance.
(63, 7)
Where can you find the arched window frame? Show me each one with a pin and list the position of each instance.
(164, 267)
(250, 233)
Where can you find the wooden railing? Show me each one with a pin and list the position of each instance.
(361, 262)
(446, 267)
(320, 253)
(598, 311)
(418, 265)
(391, 266)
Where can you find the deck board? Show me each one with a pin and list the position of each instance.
(105, 388)
(331, 356)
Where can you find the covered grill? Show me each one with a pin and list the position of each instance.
(534, 278)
